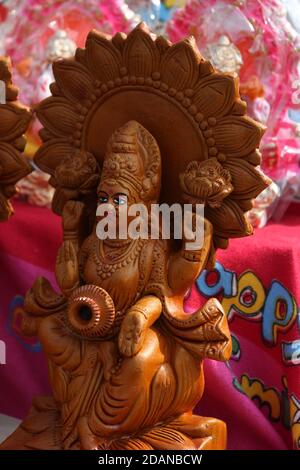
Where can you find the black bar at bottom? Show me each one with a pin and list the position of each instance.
(144, 459)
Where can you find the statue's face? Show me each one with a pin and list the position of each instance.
(118, 197)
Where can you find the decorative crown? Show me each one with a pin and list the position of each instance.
(133, 155)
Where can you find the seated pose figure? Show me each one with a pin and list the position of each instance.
(125, 360)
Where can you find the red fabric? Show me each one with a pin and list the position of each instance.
(262, 270)
(33, 234)
(272, 252)
(253, 393)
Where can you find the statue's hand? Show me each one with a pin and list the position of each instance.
(72, 216)
(66, 269)
(132, 333)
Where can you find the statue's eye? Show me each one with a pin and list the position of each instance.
(102, 199)
(120, 199)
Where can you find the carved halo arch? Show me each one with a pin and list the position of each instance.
(193, 112)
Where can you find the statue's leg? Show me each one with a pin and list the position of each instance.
(124, 402)
(206, 433)
(160, 381)
(88, 441)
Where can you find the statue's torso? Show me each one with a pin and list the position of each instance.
(122, 274)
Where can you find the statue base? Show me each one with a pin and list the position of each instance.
(41, 431)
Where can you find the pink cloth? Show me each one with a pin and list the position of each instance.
(257, 393)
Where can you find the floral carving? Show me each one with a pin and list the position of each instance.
(14, 120)
(76, 169)
(206, 182)
(75, 177)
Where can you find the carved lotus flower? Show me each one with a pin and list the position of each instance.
(77, 175)
(206, 182)
(78, 170)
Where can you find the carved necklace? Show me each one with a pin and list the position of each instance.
(109, 262)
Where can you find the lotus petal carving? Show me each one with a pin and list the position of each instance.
(14, 121)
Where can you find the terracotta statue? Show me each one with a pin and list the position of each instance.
(14, 120)
(135, 120)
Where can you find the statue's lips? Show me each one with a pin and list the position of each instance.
(91, 312)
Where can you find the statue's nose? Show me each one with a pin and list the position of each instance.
(91, 312)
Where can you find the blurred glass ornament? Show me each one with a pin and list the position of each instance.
(31, 26)
(261, 110)
(60, 45)
(263, 206)
(174, 3)
(35, 189)
(35, 33)
(146, 10)
(224, 55)
(168, 8)
(8, 13)
(264, 49)
(293, 12)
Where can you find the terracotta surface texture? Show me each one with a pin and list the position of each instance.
(140, 117)
(14, 120)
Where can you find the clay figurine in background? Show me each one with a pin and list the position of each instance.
(135, 118)
(14, 121)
